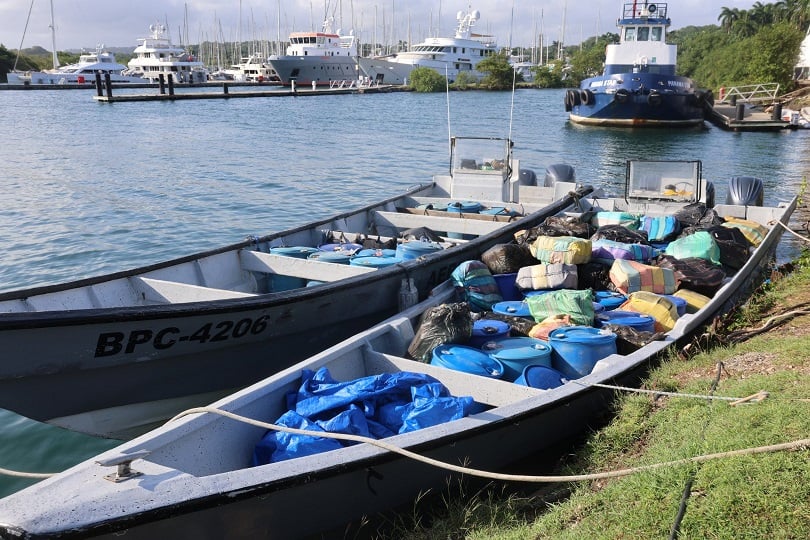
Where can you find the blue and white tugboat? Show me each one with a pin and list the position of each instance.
(639, 86)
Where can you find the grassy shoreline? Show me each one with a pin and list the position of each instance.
(756, 496)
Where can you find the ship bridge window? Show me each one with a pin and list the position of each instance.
(643, 34)
(630, 33)
(655, 35)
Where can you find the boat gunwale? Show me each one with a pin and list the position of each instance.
(40, 319)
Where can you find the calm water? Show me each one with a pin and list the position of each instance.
(90, 188)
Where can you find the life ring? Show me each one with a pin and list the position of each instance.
(586, 96)
(655, 99)
(622, 95)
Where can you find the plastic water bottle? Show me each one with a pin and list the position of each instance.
(408, 294)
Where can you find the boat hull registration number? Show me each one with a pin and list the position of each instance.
(112, 343)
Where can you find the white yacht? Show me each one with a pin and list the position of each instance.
(252, 68)
(82, 72)
(322, 58)
(155, 55)
(448, 56)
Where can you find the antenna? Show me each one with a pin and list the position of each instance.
(449, 131)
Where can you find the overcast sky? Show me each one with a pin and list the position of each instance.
(116, 23)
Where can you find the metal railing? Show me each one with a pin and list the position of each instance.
(752, 93)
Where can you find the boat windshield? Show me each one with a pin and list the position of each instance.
(664, 180)
(480, 154)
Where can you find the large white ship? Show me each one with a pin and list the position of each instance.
(449, 56)
(321, 58)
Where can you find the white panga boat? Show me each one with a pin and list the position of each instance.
(207, 475)
(449, 56)
(152, 341)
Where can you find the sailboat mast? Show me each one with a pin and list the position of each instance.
(53, 39)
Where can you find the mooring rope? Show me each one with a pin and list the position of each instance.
(754, 398)
(791, 231)
(800, 444)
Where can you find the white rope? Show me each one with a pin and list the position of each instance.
(794, 233)
(759, 396)
(801, 444)
(798, 444)
(18, 474)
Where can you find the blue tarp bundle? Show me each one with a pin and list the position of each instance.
(376, 406)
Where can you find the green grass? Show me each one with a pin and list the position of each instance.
(760, 496)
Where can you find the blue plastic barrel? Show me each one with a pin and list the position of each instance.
(610, 299)
(499, 211)
(527, 294)
(542, 377)
(507, 286)
(598, 308)
(336, 257)
(638, 321)
(299, 252)
(466, 359)
(576, 349)
(280, 282)
(374, 262)
(515, 353)
(463, 207)
(371, 252)
(488, 329)
(416, 248)
(513, 307)
(680, 303)
(344, 246)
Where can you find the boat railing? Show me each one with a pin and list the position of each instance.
(638, 10)
(365, 82)
(752, 93)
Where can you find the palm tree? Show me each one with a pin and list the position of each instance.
(727, 18)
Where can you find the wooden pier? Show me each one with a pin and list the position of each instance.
(745, 117)
(166, 92)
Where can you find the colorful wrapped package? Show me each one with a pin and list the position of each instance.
(547, 276)
(660, 308)
(660, 228)
(631, 276)
(700, 244)
(752, 230)
(625, 219)
(578, 305)
(479, 286)
(606, 251)
(562, 249)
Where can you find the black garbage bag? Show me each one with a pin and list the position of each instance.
(620, 233)
(446, 323)
(629, 339)
(420, 233)
(697, 215)
(507, 258)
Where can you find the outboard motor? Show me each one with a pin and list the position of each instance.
(559, 172)
(745, 191)
(528, 177)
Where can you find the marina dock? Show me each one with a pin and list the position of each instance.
(166, 91)
(745, 117)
